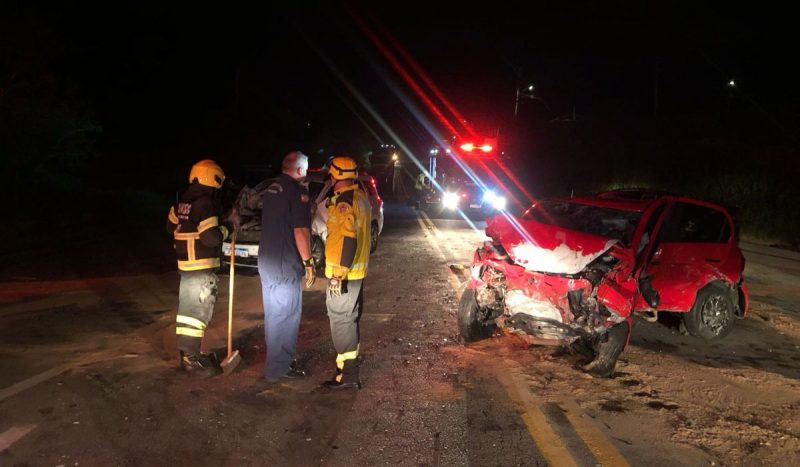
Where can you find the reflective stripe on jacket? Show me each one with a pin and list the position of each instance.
(420, 182)
(348, 242)
(194, 224)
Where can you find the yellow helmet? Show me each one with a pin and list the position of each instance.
(343, 168)
(207, 173)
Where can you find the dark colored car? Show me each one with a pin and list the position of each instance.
(319, 186)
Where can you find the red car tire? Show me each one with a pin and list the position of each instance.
(470, 324)
(608, 351)
(712, 314)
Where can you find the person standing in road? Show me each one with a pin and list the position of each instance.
(284, 258)
(346, 259)
(194, 224)
(419, 189)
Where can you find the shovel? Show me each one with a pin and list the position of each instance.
(233, 359)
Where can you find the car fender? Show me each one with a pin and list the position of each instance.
(681, 299)
(617, 297)
(744, 299)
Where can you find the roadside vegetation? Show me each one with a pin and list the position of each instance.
(753, 172)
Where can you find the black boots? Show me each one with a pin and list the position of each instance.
(202, 365)
(346, 378)
(334, 384)
(294, 371)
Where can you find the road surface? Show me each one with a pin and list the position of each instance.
(87, 375)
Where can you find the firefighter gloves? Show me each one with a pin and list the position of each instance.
(311, 272)
(335, 286)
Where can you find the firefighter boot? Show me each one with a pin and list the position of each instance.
(197, 365)
(346, 378)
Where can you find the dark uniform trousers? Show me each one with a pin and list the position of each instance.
(344, 313)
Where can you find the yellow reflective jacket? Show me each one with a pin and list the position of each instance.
(420, 182)
(348, 242)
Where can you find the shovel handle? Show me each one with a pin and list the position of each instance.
(230, 295)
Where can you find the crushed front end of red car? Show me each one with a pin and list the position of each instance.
(553, 286)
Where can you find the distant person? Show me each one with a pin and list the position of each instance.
(194, 224)
(346, 258)
(284, 258)
(419, 190)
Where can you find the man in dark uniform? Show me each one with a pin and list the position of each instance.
(195, 225)
(284, 257)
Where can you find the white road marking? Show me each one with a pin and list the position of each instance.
(26, 384)
(14, 434)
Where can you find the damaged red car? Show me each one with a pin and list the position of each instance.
(573, 271)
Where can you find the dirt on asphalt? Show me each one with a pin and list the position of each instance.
(116, 398)
(735, 401)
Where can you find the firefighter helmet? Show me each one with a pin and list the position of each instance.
(207, 173)
(343, 168)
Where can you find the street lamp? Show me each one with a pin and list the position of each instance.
(528, 92)
(731, 92)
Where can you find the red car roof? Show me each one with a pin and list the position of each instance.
(613, 203)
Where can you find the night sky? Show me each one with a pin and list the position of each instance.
(170, 82)
(157, 72)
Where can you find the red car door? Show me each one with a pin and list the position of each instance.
(691, 250)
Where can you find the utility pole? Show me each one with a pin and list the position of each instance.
(236, 94)
(655, 91)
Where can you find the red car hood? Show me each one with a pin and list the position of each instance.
(546, 248)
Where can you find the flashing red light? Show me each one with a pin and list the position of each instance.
(485, 147)
(463, 195)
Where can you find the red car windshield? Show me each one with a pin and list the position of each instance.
(607, 222)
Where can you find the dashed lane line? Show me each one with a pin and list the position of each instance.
(546, 439)
(540, 431)
(427, 226)
(595, 440)
(14, 434)
(29, 383)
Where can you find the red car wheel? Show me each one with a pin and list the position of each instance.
(712, 314)
(471, 323)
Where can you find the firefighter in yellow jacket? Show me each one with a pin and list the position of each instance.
(195, 225)
(346, 259)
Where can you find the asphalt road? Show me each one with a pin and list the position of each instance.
(87, 377)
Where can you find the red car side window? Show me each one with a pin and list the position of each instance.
(693, 223)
